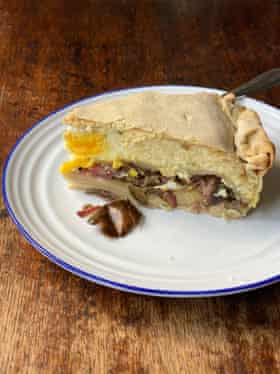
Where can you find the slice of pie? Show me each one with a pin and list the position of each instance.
(200, 152)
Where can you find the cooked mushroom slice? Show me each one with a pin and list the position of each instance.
(115, 219)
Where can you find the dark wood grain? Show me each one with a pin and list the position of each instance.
(53, 52)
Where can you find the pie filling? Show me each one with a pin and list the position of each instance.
(144, 183)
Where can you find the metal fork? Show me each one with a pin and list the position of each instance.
(263, 81)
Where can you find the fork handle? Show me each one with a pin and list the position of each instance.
(263, 81)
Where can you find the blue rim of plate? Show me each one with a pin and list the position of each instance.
(94, 278)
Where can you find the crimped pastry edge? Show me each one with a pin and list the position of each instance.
(253, 145)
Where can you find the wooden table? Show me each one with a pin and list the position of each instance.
(53, 52)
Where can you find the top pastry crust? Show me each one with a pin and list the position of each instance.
(207, 119)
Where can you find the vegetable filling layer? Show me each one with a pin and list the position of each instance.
(150, 182)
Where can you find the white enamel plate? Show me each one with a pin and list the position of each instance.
(171, 254)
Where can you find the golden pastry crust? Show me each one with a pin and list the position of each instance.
(192, 119)
(206, 119)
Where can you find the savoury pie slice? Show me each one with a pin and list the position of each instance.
(201, 152)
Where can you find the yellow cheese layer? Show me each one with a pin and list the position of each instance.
(117, 164)
(86, 162)
(83, 144)
(68, 166)
(84, 148)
